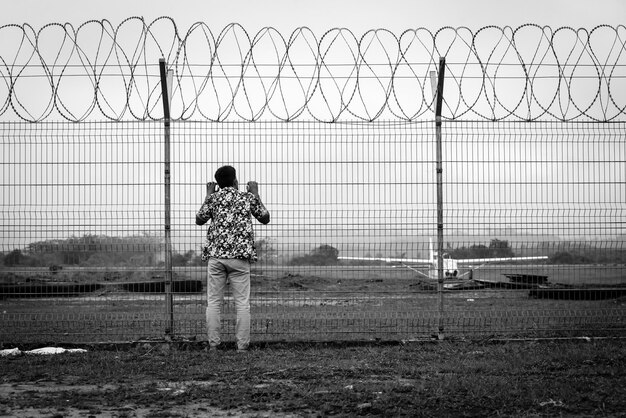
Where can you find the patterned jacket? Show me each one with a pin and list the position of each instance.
(230, 233)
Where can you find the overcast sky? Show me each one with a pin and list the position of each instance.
(320, 15)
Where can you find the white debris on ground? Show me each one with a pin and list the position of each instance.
(10, 352)
(40, 351)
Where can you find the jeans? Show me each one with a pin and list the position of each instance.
(237, 271)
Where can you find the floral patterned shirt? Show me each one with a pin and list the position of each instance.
(230, 233)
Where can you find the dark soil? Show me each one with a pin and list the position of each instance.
(563, 378)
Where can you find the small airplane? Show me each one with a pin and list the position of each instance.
(452, 278)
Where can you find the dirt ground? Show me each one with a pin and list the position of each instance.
(84, 400)
(554, 378)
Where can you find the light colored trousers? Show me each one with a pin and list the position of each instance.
(237, 271)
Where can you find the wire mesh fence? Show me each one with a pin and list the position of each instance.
(83, 248)
(345, 152)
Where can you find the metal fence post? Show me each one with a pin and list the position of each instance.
(165, 93)
(439, 168)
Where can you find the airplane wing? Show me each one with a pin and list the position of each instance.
(388, 260)
(491, 260)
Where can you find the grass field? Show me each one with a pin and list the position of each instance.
(520, 379)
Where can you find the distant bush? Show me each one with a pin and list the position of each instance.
(588, 256)
(496, 248)
(14, 258)
(320, 256)
(566, 257)
(97, 250)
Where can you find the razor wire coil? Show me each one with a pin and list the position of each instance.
(98, 70)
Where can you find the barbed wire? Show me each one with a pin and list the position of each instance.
(98, 70)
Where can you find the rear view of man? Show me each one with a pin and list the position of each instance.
(229, 249)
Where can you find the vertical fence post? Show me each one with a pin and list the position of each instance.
(439, 168)
(165, 93)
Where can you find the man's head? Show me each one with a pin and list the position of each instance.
(226, 176)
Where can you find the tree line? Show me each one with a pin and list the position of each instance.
(145, 250)
(148, 250)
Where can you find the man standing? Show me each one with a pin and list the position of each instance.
(229, 249)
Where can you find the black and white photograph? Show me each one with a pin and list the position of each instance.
(313, 208)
